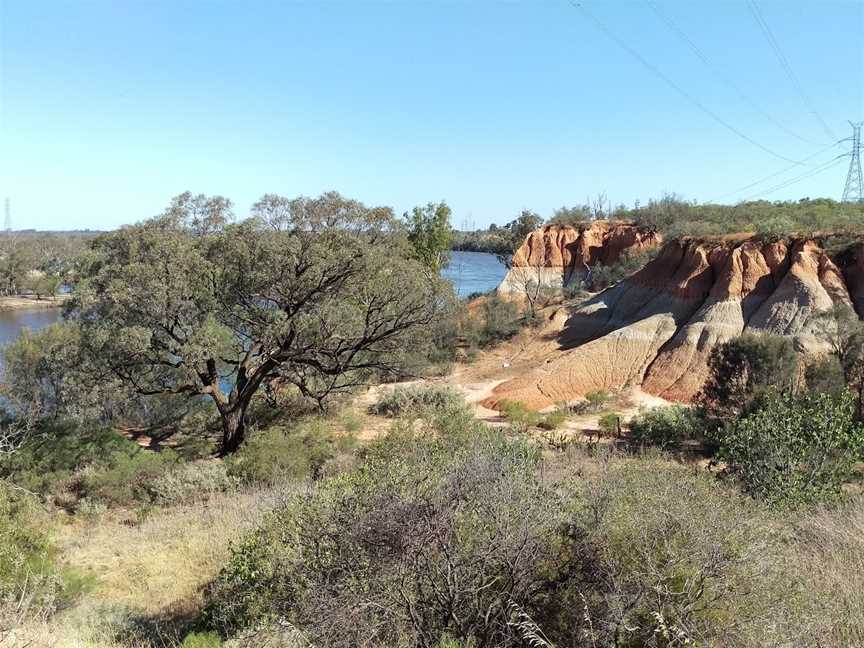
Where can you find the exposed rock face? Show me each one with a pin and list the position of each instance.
(555, 255)
(658, 327)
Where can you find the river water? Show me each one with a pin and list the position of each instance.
(473, 272)
(470, 272)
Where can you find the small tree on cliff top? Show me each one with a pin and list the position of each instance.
(316, 293)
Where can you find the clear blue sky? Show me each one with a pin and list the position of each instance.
(111, 108)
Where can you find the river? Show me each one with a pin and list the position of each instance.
(473, 272)
(470, 272)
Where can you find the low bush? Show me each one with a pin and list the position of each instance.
(73, 464)
(554, 420)
(193, 481)
(609, 424)
(604, 276)
(282, 454)
(57, 451)
(414, 398)
(128, 476)
(202, 640)
(825, 374)
(794, 449)
(597, 399)
(501, 320)
(518, 416)
(30, 583)
(665, 427)
(745, 367)
(688, 560)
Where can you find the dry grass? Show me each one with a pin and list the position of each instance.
(161, 563)
(829, 555)
(147, 575)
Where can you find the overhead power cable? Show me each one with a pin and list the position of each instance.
(719, 73)
(830, 164)
(775, 174)
(654, 70)
(756, 12)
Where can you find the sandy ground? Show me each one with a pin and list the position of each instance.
(477, 378)
(29, 302)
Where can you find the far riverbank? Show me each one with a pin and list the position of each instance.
(29, 302)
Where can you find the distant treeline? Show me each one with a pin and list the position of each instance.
(673, 217)
(39, 262)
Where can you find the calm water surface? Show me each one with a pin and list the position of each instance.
(11, 322)
(473, 272)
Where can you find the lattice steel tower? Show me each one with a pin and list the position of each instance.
(7, 221)
(854, 189)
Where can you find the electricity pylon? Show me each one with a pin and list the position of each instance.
(854, 189)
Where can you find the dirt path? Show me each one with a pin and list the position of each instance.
(477, 378)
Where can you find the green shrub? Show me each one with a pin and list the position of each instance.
(745, 367)
(74, 463)
(603, 276)
(57, 451)
(665, 427)
(279, 454)
(193, 481)
(202, 640)
(128, 476)
(609, 424)
(597, 399)
(686, 555)
(500, 320)
(794, 449)
(554, 420)
(518, 416)
(825, 375)
(29, 581)
(414, 398)
(644, 552)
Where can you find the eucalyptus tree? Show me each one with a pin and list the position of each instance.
(319, 294)
(430, 234)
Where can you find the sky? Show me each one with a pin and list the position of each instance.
(108, 109)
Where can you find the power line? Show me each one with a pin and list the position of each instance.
(830, 164)
(775, 174)
(654, 70)
(784, 63)
(719, 73)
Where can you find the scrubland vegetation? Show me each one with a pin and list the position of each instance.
(182, 463)
(673, 216)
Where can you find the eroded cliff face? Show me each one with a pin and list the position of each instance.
(658, 327)
(556, 255)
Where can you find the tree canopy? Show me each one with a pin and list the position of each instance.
(430, 234)
(319, 295)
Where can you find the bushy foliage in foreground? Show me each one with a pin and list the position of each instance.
(795, 449)
(456, 537)
(29, 580)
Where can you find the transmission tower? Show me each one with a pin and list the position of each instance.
(7, 221)
(854, 189)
